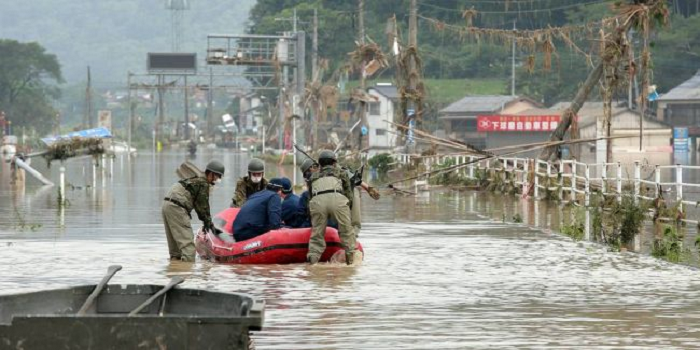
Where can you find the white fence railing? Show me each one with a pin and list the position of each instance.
(574, 181)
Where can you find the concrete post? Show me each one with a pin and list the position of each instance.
(679, 185)
(619, 182)
(604, 179)
(471, 167)
(62, 186)
(587, 184)
(537, 178)
(657, 180)
(637, 179)
(573, 182)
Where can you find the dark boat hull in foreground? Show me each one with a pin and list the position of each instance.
(181, 319)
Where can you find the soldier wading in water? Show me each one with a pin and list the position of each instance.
(331, 195)
(191, 192)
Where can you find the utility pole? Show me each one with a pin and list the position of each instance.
(314, 49)
(87, 118)
(314, 78)
(186, 133)
(413, 43)
(161, 105)
(362, 142)
(512, 67)
(131, 113)
(210, 103)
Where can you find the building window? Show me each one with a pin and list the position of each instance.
(464, 125)
(374, 108)
(380, 132)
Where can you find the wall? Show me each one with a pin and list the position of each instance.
(379, 122)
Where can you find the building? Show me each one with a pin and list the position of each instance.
(519, 128)
(460, 119)
(657, 135)
(380, 111)
(680, 107)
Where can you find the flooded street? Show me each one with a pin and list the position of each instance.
(439, 271)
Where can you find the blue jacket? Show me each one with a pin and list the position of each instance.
(290, 205)
(303, 214)
(259, 214)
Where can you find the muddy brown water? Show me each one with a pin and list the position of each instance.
(440, 271)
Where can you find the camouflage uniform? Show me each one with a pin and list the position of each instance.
(244, 189)
(331, 197)
(185, 195)
(355, 208)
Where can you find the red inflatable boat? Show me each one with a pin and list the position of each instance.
(283, 246)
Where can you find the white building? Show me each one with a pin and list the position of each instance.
(382, 135)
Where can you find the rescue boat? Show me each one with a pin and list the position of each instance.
(283, 246)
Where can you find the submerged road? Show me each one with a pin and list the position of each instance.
(438, 272)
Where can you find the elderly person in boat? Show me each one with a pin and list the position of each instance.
(260, 213)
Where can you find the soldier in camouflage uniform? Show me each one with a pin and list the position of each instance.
(247, 185)
(331, 195)
(185, 195)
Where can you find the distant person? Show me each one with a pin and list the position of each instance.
(290, 204)
(191, 192)
(248, 185)
(260, 214)
(331, 195)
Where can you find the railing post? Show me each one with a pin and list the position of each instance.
(619, 182)
(560, 175)
(587, 184)
(604, 179)
(471, 167)
(637, 179)
(679, 185)
(657, 180)
(573, 181)
(536, 169)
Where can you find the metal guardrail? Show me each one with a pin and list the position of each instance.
(576, 181)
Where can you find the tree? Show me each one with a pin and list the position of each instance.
(27, 74)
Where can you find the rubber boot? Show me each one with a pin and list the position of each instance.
(312, 260)
(349, 258)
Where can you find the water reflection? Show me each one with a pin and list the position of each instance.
(442, 269)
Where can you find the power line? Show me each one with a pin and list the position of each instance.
(518, 11)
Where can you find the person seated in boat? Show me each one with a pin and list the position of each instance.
(290, 203)
(260, 213)
(191, 192)
(248, 185)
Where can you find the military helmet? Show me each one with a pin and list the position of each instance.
(327, 154)
(256, 166)
(216, 167)
(306, 165)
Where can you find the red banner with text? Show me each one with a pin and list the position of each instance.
(517, 123)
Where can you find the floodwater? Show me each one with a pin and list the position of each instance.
(439, 272)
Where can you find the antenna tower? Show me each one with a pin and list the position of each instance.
(177, 9)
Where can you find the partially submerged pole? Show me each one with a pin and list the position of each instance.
(20, 163)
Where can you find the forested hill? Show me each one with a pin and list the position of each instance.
(113, 36)
(446, 54)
